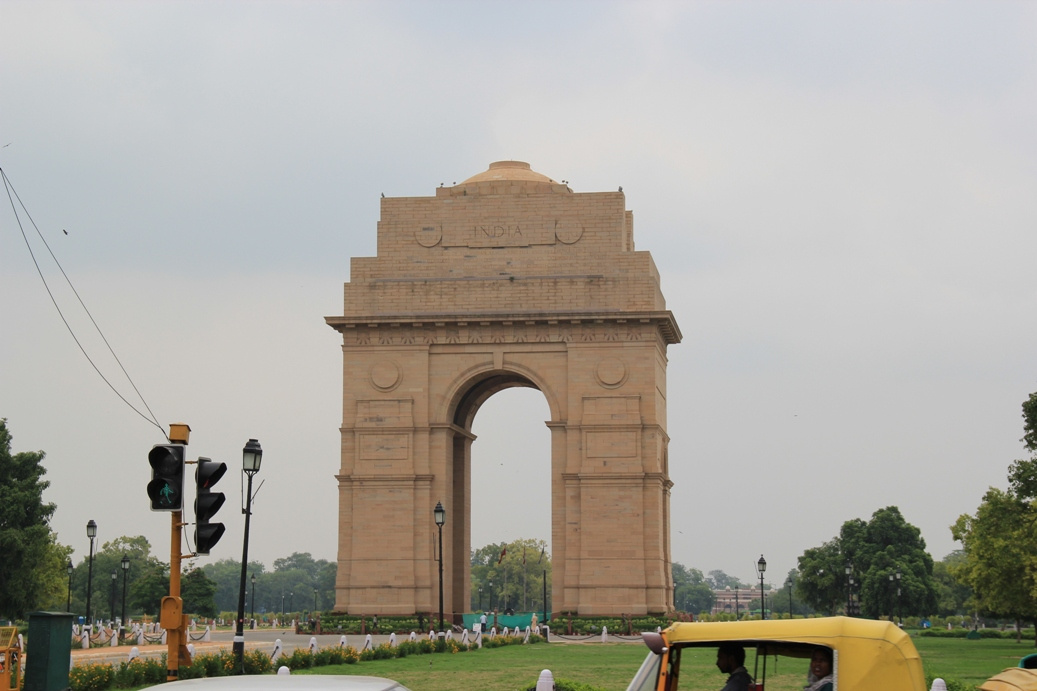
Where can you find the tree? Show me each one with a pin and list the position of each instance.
(516, 570)
(952, 594)
(1000, 541)
(32, 563)
(873, 551)
(197, 592)
(719, 580)
(693, 593)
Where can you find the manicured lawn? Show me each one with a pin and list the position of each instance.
(970, 662)
(610, 666)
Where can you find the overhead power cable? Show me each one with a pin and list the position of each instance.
(9, 187)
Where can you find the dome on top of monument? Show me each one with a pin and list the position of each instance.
(508, 170)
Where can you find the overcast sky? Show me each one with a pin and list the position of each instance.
(841, 199)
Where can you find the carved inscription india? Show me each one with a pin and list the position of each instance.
(499, 234)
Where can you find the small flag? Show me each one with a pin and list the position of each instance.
(541, 554)
(502, 553)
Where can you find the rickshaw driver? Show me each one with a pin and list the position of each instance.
(731, 661)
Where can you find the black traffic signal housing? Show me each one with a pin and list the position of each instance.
(206, 504)
(166, 489)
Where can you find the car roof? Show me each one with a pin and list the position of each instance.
(287, 682)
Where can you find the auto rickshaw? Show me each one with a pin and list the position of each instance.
(866, 654)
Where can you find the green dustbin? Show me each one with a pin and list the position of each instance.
(48, 651)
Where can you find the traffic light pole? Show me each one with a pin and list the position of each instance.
(171, 615)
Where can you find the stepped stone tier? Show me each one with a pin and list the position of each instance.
(507, 279)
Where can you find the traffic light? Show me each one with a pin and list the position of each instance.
(206, 504)
(166, 489)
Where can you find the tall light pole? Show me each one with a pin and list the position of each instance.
(125, 563)
(91, 532)
(900, 610)
(69, 568)
(439, 513)
(761, 566)
(849, 585)
(788, 584)
(251, 459)
(252, 609)
(891, 601)
(111, 598)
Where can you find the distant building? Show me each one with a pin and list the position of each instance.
(731, 600)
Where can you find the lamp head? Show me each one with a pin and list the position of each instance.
(440, 514)
(69, 567)
(761, 565)
(253, 579)
(251, 457)
(125, 563)
(91, 529)
(115, 575)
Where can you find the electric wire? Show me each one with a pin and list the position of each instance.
(9, 187)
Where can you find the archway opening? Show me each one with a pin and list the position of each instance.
(511, 495)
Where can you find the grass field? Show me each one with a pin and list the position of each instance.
(610, 666)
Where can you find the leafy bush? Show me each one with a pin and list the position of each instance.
(93, 677)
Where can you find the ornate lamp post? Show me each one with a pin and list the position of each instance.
(761, 566)
(91, 532)
(125, 563)
(251, 459)
(252, 609)
(788, 584)
(439, 513)
(69, 569)
(314, 602)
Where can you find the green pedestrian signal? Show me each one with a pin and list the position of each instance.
(166, 489)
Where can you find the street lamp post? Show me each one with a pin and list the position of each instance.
(440, 515)
(291, 600)
(900, 610)
(125, 563)
(480, 599)
(252, 608)
(737, 606)
(788, 584)
(91, 532)
(251, 459)
(69, 568)
(111, 598)
(314, 602)
(491, 595)
(761, 566)
(849, 584)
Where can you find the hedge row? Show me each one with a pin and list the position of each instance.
(141, 672)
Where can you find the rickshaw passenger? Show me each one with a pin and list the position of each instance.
(819, 675)
(731, 661)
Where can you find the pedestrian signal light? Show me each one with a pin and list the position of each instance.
(166, 489)
(206, 504)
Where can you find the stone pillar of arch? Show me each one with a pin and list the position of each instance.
(506, 279)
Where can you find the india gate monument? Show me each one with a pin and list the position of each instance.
(506, 279)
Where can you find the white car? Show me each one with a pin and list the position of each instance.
(285, 682)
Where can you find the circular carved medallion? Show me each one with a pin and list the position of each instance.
(568, 232)
(611, 373)
(385, 375)
(429, 236)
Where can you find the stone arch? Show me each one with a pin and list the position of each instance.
(508, 279)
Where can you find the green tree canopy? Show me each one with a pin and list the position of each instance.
(511, 575)
(999, 542)
(873, 551)
(197, 592)
(32, 563)
(692, 592)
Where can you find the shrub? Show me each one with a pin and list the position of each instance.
(568, 685)
(93, 677)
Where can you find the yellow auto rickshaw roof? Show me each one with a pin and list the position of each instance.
(869, 654)
(1011, 679)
